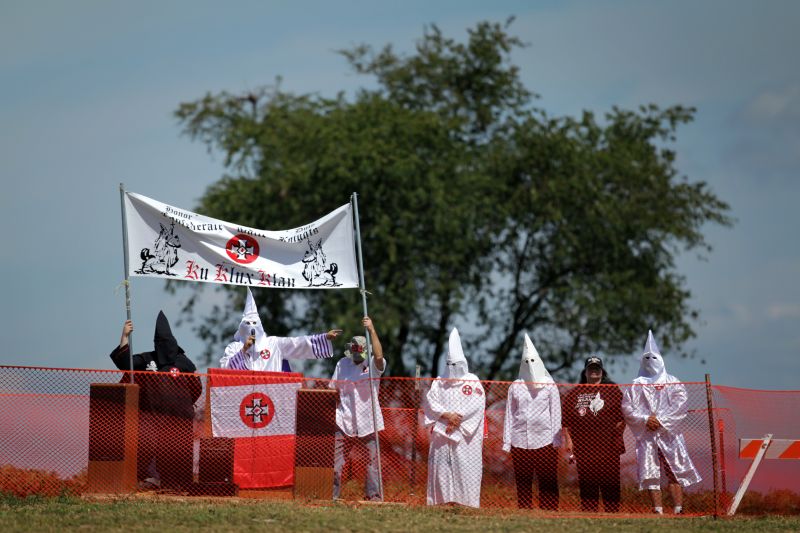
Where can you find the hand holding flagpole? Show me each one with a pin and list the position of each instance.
(127, 281)
(363, 289)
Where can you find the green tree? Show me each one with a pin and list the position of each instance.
(477, 208)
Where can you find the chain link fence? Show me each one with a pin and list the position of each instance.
(564, 449)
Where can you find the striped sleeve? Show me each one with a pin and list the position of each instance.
(304, 347)
(321, 346)
(237, 362)
(234, 358)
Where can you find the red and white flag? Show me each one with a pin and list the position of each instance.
(257, 410)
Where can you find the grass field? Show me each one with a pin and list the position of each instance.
(170, 513)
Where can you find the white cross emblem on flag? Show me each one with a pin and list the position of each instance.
(257, 410)
(242, 250)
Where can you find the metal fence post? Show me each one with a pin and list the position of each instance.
(713, 438)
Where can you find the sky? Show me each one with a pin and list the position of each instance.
(88, 90)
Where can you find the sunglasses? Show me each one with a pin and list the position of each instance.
(356, 348)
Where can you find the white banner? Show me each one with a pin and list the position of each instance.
(173, 243)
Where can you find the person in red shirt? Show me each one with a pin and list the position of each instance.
(593, 427)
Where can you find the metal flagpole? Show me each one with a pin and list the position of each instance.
(363, 288)
(127, 282)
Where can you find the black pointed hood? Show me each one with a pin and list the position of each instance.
(167, 352)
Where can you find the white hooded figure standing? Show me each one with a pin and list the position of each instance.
(654, 407)
(454, 410)
(253, 349)
(532, 430)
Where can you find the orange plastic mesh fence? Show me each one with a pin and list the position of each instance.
(495, 445)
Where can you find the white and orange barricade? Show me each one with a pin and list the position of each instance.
(777, 449)
(758, 449)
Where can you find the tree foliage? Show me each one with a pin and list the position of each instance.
(478, 209)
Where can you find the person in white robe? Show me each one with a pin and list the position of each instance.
(654, 408)
(253, 349)
(454, 410)
(355, 426)
(532, 430)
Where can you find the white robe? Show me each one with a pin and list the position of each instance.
(354, 409)
(667, 401)
(273, 350)
(455, 460)
(533, 416)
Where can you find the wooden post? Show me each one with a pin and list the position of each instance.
(315, 430)
(113, 437)
(722, 467)
(713, 438)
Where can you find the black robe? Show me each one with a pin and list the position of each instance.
(166, 406)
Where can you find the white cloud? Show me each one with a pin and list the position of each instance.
(780, 311)
(750, 315)
(782, 104)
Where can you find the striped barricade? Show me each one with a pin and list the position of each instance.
(758, 449)
(778, 448)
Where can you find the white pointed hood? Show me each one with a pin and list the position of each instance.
(531, 368)
(250, 322)
(456, 367)
(651, 367)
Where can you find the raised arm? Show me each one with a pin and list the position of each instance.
(120, 355)
(377, 349)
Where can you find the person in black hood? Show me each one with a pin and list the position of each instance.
(167, 393)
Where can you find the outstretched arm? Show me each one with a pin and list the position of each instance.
(316, 346)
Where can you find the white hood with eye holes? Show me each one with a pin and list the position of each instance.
(651, 367)
(457, 367)
(531, 368)
(251, 321)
